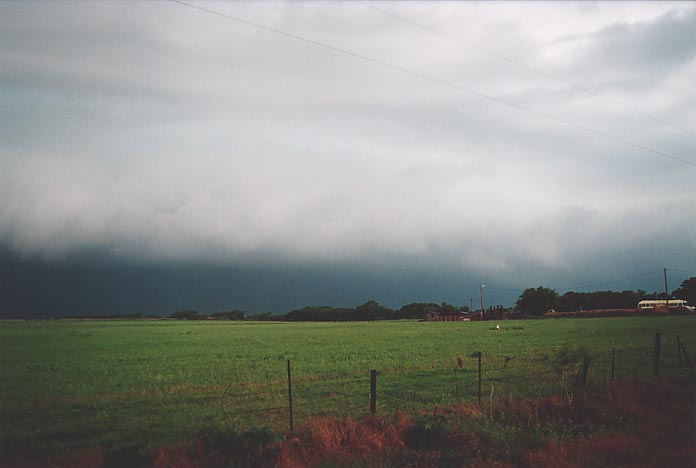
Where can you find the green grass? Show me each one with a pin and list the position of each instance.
(71, 384)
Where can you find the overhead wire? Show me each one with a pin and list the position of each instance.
(574, 288)
(434, 80)
(525, 66)
(610, 282)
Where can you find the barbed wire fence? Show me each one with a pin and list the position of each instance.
(476, 378)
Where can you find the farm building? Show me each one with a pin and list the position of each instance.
(456, 316)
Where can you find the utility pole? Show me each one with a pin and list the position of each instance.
(481, 298)
(666, 293)
(471, 304)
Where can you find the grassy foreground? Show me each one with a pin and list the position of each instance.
(70, 385)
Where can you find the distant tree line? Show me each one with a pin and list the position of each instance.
(196, 315)
(371, 310)
(538, 301)
(112, 316)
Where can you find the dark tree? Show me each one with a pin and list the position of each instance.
(687, 291)
(574, 301)
(230, 315)
(416, 310)
(268, 316)
(320, 314)
(537, 301)
(371, 310)
(446, 308)
(188, 315)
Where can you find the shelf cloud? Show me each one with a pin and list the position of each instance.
(155, 133)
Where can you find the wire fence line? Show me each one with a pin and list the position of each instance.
(473, 378)
(466, 381)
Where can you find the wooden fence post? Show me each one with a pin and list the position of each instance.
(584, 371)
(290, 395)
(373, 391)
(479, 377)
(613, 362)
(686, 356)
(656, 360)
(620, 364)
(679, 351)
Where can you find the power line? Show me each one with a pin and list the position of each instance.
(572, 288)
(681, 271)
(610, 282)
(435, 80)
(503, 289)
(526, 67)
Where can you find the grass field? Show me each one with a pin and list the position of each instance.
(66, 385)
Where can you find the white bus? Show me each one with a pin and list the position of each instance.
(672, 304)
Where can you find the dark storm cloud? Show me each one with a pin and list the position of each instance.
(158, 134)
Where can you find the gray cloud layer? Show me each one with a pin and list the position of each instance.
(157, 132)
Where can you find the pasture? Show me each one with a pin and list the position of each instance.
(67, 385)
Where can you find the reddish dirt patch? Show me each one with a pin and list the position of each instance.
(660, 420)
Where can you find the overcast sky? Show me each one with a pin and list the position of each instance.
(145, 142)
